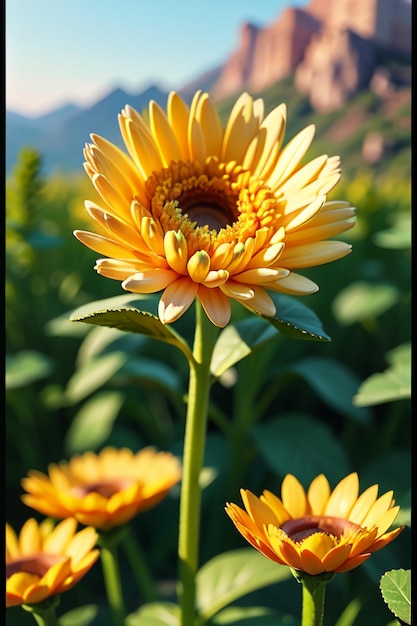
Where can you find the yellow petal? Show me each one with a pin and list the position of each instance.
(318, 494)
(60, 537)
(216, 305)
(29, 538)
(149, 281)
(312, 254)
(296, 284)
(163, 135)
(198, 266)
(208, 117)
(379, 507)
(178, 115)
(241, 127)
(293, 496)
(290, 156)
(363, 504)
(176, 251)
(343, 497)
(176, 299)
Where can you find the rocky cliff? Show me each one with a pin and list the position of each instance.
(331, 47)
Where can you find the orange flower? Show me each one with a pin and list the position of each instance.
(103, 490)
(196, 211)
(43, 561)
(318, 531)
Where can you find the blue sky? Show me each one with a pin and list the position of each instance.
(60, 51)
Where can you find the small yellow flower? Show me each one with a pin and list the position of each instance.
(198, 211)
(44, 560)
(103, 490)
(318, 531)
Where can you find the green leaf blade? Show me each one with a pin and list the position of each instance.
(234, 574)
(395, 587)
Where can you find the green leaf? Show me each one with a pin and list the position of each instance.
(363, 301)
(300, 445)
(135, 321)
(237, 341)
(155, 373)
(350, 613)
(232, 575)
(392, 384)
(295, 320)
(398, 236)
(26, 367)
(94, 375)
(334, 383)
(94, 422)
(252, 616)
(395, 587)
(81, 616)
(155, 614)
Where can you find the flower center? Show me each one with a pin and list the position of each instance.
(37, 564)
(303, 527)
(105, 488)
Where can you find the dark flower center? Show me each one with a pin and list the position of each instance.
(303, 527)
(37, 564)
(105, 488)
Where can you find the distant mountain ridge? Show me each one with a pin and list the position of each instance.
(330, 63)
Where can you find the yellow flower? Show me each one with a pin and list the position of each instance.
(43, 561)
(103, 490)
(318, 531)
(196, 211)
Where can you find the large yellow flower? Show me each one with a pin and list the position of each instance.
(318, 531)
(103, 490)
(196, 211)
(44, 561)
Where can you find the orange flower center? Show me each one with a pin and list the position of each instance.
(211, 204)
(37, 564)
(106, 488)
(301, 528)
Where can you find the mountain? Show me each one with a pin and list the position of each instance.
(328, 54)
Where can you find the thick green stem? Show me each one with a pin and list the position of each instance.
(44, 612)
(314, 588)
(110, 565)
(194, 444)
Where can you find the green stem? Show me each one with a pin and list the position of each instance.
(137, 562)
(44, 612)
(109, 563)
(194, 444)
(314, 588)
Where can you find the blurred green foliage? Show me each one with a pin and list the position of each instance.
(299, 407)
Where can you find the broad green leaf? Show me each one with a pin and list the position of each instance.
(395, 587)
(81, 616)
(26, 367)
(252, 616)
(94, 422)
(154, 373)
(237, 341)
(94, 375)
(300, 445)
(135, 321)
(102, 339)
(392, 384)
(155, 614)
(362, 301)
(334, 383)
(295, 320)
(149, 303)
(232, 575)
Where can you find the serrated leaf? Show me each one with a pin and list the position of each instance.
(334, 383)
(296, 320)
(94, 375)
(300, 445)
(26, 367)
(155, 614)
(81, 616)
(94, 422)
(232, 575)
(395, 587)
(237, 341)
(136, 321)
